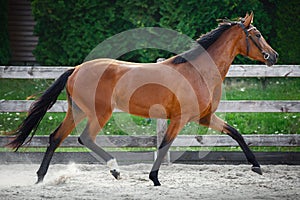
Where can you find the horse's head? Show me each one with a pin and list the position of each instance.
(254, 45)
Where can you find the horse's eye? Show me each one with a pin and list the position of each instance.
(258, 35)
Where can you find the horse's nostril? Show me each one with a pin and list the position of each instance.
(266, 55)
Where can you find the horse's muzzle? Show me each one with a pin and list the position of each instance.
(271, 58)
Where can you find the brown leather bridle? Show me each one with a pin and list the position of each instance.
(246, 31)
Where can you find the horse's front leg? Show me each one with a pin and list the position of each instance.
(218, 124)
(174, 127)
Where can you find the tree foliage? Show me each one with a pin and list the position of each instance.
(287, 28)
(69, 30)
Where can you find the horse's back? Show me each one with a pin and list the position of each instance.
(136, 88)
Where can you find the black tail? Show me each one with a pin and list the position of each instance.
(38, 110)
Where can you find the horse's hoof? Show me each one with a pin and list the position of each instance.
(256, 170)
(153, 177)
(116, 174)
(157, 183)
(40, 180)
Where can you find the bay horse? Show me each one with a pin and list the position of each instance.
(184, 88)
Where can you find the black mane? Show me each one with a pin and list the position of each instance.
(204, 42)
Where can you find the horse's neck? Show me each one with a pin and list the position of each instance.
(214, 63)
(223, 52)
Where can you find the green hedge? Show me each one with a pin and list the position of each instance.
(69, 30)
(287, 29)
(4, 39)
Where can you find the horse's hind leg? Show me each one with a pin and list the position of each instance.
(56, 138)
(216, 123)
(88, 138)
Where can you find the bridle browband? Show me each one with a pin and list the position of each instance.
(246, 31)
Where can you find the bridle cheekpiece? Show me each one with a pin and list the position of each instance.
(246, 31)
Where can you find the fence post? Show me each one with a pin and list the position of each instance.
(161, 129)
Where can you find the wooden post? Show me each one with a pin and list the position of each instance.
(161, 129)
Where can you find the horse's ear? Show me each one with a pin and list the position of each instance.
(247, 15)
(248, 19)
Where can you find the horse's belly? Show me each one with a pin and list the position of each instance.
(154, 101)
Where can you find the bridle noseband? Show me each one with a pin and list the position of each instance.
(246, 31)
